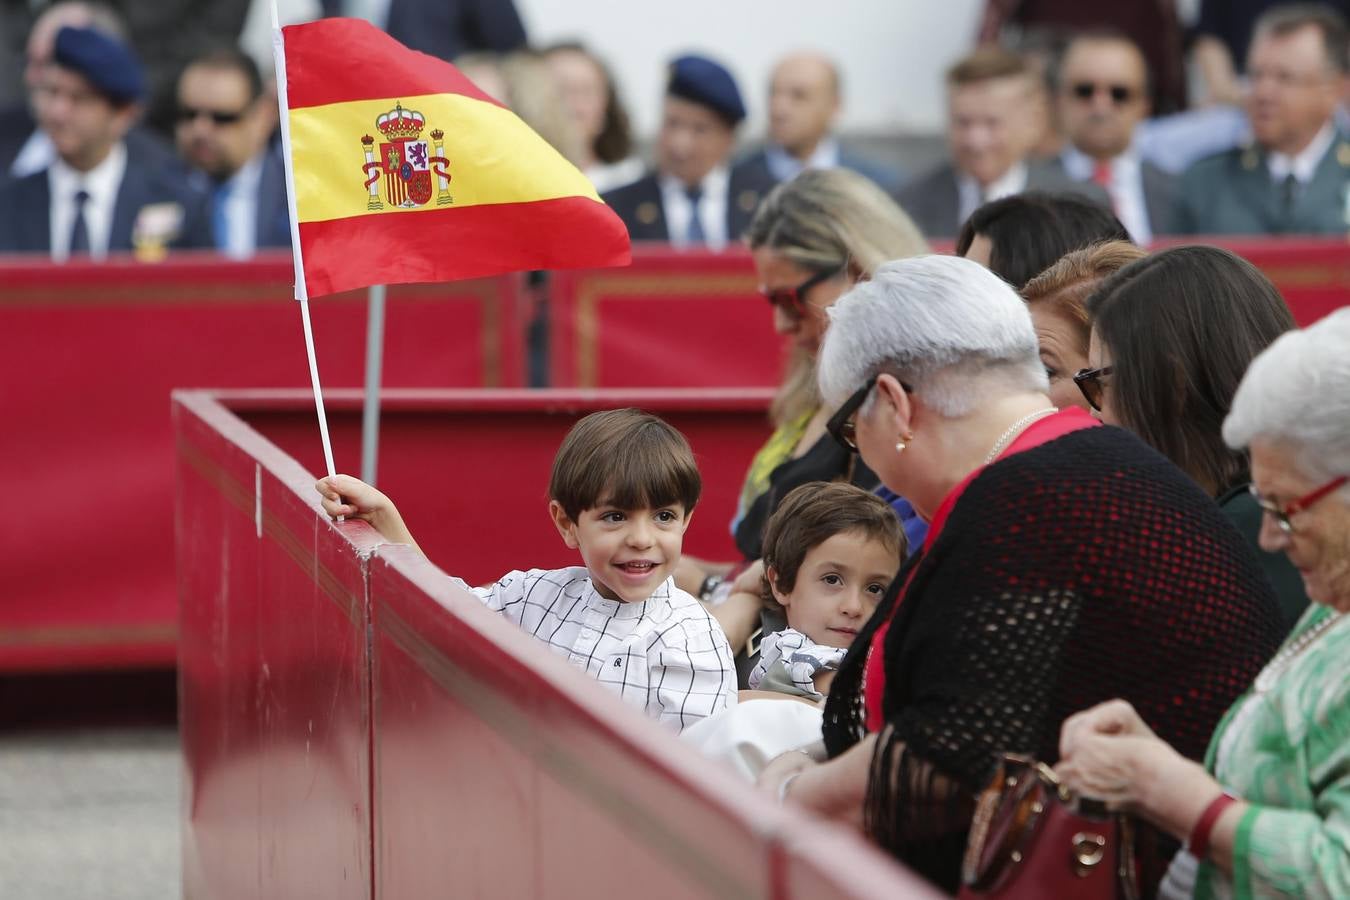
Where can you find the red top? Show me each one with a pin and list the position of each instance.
(1039, 432)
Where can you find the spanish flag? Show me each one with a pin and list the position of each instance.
(401, 170)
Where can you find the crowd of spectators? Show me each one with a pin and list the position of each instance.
(944, 555)
(1077, 98)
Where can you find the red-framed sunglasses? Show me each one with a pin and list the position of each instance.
(792, 300)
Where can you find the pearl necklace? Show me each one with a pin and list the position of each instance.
(1281, 661)
(1015, 429)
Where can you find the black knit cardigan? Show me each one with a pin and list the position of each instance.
(1083, 569)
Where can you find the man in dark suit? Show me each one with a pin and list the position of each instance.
(449, 28)
(1103, 96)
(224, 130)
(96, 197)
(804, 104)
(1295, 176)
(989, 132)
(694, 199)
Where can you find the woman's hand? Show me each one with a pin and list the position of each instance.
(751, 580)
(344, 495)
(1112, 717)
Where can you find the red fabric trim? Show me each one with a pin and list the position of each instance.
(340, 60)
(450, 244)
(1198, 845)
(1039, 432)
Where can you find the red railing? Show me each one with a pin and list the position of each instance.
(355, 726)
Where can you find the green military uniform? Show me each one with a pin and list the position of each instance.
(1233, 193)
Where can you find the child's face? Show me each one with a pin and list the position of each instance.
(839, 585)
(629, 552)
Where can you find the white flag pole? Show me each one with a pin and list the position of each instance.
(301, 292)
(370, 412)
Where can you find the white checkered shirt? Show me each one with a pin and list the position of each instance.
(665, 654)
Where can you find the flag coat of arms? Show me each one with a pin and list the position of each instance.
(403, 171)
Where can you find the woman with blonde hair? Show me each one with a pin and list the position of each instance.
(812, 238)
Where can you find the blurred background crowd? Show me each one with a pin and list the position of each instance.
(131, 126)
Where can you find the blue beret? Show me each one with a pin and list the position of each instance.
(700, 80)
(108, 64)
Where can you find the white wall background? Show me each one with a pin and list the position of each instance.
(892, 52)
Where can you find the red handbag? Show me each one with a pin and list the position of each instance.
(1033, 837)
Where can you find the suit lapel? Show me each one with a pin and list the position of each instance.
(36, 203)
(131, 194)
(1328, 180)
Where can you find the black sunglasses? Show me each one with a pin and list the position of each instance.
(1089, 381)
(792, 300)
(1120, 94)
(842, 426)
(190, 114)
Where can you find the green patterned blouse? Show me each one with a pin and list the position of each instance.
(1287, 753)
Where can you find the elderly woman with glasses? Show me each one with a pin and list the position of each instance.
(812, 239)
(1269, 811)
(1172, 335)
(1063, 561)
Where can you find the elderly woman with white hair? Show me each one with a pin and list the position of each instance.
(1269, 811)
(1064, 561)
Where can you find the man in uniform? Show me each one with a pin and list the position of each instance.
(96, 197)
(694, 198)
(1294, 178)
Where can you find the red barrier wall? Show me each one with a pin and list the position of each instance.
(92, 352)
(694, 319)
(356, 726)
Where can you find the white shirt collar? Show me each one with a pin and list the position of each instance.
(1303, 166)
(1079, 166)
(784, 166)
(102, 184)
(712, 208)
(970, 196)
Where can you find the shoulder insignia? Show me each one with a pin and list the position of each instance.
(748, 200)
(1343, 154)
(1251, 158)
(647, 213)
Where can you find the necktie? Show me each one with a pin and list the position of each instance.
(695, 234)
(220, 222)
(79, 231)
(1101, 174)
(1289, 193)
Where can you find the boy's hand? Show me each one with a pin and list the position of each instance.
(344, 495)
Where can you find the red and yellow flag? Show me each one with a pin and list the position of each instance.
(403, 171)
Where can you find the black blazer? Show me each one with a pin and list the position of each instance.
(639, 204)
(448, 28)
(25, 226)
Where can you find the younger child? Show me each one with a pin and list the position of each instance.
(622, 493)
(830, 552)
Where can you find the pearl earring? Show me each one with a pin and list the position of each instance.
(899, 446)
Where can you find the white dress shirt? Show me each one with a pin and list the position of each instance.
(665, 655)
(712, 208)
(971, 196)
(102, 184)
(785, 167)
(1303, 166)
(1126, 188)
(241, 210)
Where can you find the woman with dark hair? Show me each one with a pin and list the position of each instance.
(589, 93)
(1021, 236)
(1172, 336)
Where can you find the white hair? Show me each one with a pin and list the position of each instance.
(1297, 392)
(948, 327)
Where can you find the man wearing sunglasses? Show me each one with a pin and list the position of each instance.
(224, 130)
(99, 195)
(1103, 96)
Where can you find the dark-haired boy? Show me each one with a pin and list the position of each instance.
(622, 493)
